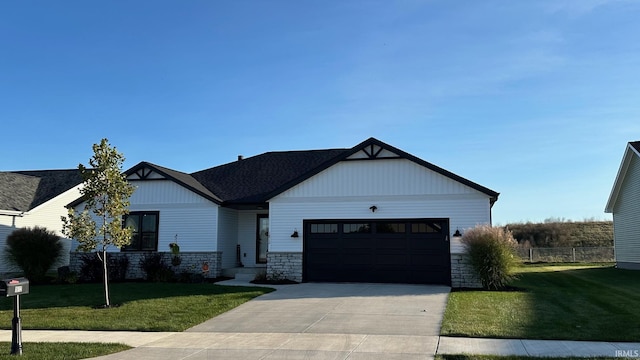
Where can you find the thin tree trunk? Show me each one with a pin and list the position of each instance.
(105, 277)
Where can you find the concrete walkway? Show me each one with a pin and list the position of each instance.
(326, 321)
(197, 345)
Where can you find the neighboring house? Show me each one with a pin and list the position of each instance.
(624, 204)
(371, 213)
(35, 198)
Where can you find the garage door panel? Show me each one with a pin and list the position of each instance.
(405, 251)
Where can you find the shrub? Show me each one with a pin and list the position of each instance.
(91, 269)
(155, 268)
(66, 276)
(34, 250)
(491, 252)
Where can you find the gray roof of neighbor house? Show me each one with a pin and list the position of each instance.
(25, 190)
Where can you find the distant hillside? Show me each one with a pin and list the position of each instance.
(563, 233)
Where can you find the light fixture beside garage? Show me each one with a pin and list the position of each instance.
(373, 208)
(295, 233)
(457, 233)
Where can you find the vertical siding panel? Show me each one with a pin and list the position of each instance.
(228, 236)
(381, 177)
(626, 216)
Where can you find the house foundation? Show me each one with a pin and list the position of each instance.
(190, 262)
(284, 265)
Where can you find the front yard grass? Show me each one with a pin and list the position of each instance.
(514, 357)
(143, 306)
(54, 351)
(597, 303)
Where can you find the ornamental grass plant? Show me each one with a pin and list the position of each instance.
(491, 252)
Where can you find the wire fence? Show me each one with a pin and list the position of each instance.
(567, 254)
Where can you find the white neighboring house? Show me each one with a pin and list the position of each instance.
(370, 213)
(36, 198)
(624, 204)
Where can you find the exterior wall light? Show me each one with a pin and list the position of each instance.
(457, 233)
(373, 208)
(295, 233)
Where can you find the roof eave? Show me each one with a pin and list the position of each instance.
(493, 195)
(212, 197)
(629, 152)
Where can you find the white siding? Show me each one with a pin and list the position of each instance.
(164, 192)
(626, 216)
(191, 217)
(46, 215)
(392, 177)
(228, 236)
(399, 188)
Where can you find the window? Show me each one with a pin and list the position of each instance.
(324, 228)
(356, 228)
(426, 227)
(145, 230)
(388, 228)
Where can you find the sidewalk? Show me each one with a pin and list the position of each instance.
(446, 345)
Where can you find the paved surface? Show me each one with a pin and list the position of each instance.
(327, 321)
(305, 321)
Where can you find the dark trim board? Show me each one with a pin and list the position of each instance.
(382, 250)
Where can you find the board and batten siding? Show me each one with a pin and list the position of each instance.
(399, 188)
(184, 213)
(46, 215)
(626, 217)
(227, 236)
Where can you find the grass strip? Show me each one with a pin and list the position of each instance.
(555, 302)
(60, 351)
(142, 306)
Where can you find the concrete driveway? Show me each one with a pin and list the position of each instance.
(315, 321)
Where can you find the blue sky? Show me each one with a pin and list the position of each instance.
(533, 99)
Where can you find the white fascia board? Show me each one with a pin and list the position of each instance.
(13, 213)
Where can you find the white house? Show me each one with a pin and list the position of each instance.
(624, 204)
(30, 198)
(371, 213)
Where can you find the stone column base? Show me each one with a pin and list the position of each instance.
(284, 265)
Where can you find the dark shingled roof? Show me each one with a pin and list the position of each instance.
(251, 180)
(636, 145)
(181, 178)
(25, 190)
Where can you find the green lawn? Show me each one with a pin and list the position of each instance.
(61, 351)
(143, 306)
(556, 302)
(495, 357)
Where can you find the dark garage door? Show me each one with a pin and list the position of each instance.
(391, 251)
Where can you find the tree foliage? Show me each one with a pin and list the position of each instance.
(106, 194)
(34, 250)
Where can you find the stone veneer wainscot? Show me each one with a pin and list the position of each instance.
(284, 265)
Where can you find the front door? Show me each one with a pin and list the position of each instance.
(262, 239)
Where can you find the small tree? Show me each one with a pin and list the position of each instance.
(34, 250)
(491, 252)
(106, 193)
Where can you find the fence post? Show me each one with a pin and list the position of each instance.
(574, 254)
(530, 255)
